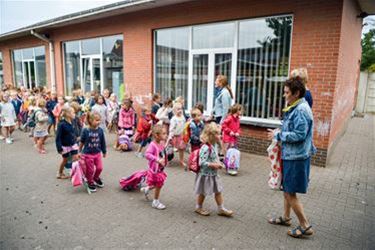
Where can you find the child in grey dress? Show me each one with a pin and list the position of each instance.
(207, 181)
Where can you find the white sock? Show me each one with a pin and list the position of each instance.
(221, 207)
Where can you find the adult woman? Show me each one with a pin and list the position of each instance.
(223, 99)
(297, 147)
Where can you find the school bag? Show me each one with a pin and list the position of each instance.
(31, 121)
(186, 133)
(274, 156)
(169, 152)
(134, 181)
(193, 162)
(232, 159)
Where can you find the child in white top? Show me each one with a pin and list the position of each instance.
(8, 117)
(175, 131)
(101, 108)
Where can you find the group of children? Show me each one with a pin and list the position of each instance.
(81, 123)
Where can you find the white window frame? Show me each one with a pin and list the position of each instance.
(266, 122)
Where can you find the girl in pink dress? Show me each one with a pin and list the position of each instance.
(155, 154)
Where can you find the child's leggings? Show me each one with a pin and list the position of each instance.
(94, 166)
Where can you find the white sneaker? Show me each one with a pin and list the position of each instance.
(146, 191)
(8, 141)
(158, 205)
(2, 137)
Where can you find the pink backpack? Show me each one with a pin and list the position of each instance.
(133, 181)
(193, 162)
(76, 174)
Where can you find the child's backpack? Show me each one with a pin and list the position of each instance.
(133, 181)
(232, 159)
(193, 162)
(186, 133)
(169, 152)
(31, 121)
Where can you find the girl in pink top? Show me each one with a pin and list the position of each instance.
(126, 120)
(157, 160)
(57, 109)
(231, 127)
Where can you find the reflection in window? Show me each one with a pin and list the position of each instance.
(214, 36)
(29, 67)
(172, 62)
(263, 64)
(72, 66)
(91, 46)
(113, 63)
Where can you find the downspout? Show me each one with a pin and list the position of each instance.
(51, 57)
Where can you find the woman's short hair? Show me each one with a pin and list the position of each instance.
(295, 84)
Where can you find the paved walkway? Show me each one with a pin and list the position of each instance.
(39, 212)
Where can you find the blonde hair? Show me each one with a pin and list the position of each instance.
(180, 99)
(209, 133)
(157, 130)
(176, 106)
(41, 103)
(75, 106)
(91, 116)
(65, 111)
(301, 73)
(224, 83)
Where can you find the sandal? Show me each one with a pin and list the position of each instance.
(280, 221)
(299, 232)
(62, 176)
(202, 212)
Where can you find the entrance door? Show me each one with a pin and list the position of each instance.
(91, 74)
(29, 74)
(206, 67)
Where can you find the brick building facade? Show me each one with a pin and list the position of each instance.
(325, 38)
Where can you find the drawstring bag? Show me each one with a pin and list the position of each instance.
(274, 156)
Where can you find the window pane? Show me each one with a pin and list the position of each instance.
(28, 53)
(214, 36)
(40, 60)
(91, 46)
(263, 64)
(72, 66)
(17, 67)
(172, 62)
(113, 64)
(200, 79)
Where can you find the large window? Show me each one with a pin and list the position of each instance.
(172, 62)
(1, 70)
(253, 54)
(94, 64)
(29, 67)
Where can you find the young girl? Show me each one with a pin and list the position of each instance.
(207, 181)
(41, 126)
(112, 110)
(57, 109)
(101, 108)
(126, 121)
(175, 131)
(156, 162)
(155, 104)
(92, 146)
(231, 127)
(50, 105)
(163, 114)
(8, 118)
(196, 127)
(77, 121)
(144, 130)
(66, 141)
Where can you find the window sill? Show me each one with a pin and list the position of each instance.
(261, 122)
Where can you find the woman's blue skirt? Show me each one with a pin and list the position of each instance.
(296, 175)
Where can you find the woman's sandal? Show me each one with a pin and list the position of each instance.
(202, 212)
(280, 221)
(299, 232)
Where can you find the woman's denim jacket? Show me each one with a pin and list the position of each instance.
(296, 133)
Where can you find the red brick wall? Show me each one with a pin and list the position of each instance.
(348, 68)
(318, 43)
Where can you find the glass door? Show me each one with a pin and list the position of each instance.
(91, 74)
(205, 68)
(29, 74)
